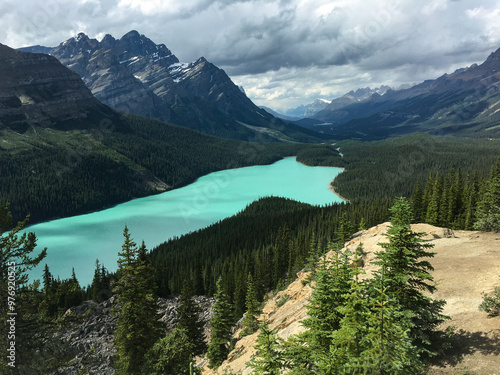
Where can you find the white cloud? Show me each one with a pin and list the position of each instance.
(282, 52)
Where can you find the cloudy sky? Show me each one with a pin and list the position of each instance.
(283, 52)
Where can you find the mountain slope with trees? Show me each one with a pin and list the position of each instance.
(65, 153)
(465, 103)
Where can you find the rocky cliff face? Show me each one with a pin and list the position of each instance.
(135, 75)
(36, 89)
(88, 336)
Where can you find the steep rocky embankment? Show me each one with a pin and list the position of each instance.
(88, 337)
(466, 264)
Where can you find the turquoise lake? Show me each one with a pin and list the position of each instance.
(78, 241)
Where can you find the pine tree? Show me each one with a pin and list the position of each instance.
(432, 214)
(387, 345)
(189, 320)
(170, 355)
(17, 258)
(426, 197)
(281, 255)
(408, 276)
(47, 280)
(221, 324)
(417, 203)
(269, 359)
(469, 197)
(488, 206)
(329, 294)
(346, 344)
(250, 322)
(138, 326)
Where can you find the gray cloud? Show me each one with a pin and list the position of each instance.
(283, 52)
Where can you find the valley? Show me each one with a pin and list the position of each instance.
(107, 143)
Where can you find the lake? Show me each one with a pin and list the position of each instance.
(78, 241)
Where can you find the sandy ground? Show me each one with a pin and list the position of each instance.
(466, 264)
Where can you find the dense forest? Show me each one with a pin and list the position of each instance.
(55, 174)
(273, 238)
(392, 167)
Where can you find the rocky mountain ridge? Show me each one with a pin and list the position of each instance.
(87, 338)
(465, 102)
(135, 75)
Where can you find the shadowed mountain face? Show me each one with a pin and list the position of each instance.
(36, 89)
(135, 75)
(466, 102)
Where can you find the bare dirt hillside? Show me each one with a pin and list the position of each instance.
(466, 265)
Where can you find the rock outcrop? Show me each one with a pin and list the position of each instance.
(88, 336)
(465, 265)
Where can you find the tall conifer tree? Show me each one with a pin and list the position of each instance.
(221, 324)
(250, 322)
(138, 326)
(189, 320)
(408, 278)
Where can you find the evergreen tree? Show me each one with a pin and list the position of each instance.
(470, 197)
(281, 256)
(432, 214)
(488, 206)
(344, 229)
(269, 358)
(221, 324)
(387, 344)
(47, 280)
(346, 344)
(189, 320)
(138, 325)
(417, 203)
(329, 294)
(408, 276)
(17, 258)
(170, 355)
(250, 322)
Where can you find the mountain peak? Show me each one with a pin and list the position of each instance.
(132, 34)
(80, 37)
(494, 56)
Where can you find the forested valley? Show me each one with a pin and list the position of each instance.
(53, 173)
(259, 250)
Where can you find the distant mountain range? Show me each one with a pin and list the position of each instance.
(466, 102)
(135, 75)
(301, 111)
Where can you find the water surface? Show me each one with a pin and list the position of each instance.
(78, 241)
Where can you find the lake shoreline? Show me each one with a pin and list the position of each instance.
(330, 187)
(158, 217)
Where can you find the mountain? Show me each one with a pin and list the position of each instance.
(302, 111)
(135, 75)
(315, 107)
(466, 102)
(279, 115)
(36, 89)
(63, 152)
